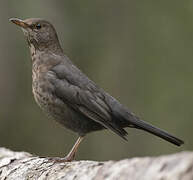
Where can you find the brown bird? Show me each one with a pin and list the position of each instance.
(69, 96)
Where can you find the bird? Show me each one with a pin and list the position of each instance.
(66, 94)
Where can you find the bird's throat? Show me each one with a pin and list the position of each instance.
(50, 48)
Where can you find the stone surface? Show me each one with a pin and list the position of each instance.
(22, 166)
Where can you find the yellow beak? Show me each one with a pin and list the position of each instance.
(19, 22)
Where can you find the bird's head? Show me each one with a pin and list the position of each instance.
(39, 33)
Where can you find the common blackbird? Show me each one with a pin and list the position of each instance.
(65, 93)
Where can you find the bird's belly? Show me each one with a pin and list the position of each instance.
(62, 113)
(50, 104)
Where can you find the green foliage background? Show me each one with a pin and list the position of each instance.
(141, 52)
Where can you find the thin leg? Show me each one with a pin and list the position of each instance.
(71, 154)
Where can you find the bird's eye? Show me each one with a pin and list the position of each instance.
(38, 26)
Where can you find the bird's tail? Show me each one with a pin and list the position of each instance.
(139, 124)
(128, 119)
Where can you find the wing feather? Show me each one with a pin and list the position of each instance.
(84, 97)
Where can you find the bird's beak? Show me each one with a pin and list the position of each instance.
(19, 22)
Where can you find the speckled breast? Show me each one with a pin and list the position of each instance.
(42, 91)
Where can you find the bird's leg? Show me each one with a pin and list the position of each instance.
(71, 155)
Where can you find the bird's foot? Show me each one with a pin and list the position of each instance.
(71, 155)
(60, 160)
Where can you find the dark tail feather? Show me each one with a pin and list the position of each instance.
(132, 119)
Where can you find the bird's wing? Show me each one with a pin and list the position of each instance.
(82, 94)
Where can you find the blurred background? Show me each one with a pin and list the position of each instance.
(141, 52)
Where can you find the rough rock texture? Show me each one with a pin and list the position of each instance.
(22, 165)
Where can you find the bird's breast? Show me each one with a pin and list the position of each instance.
(45, 97)
(41, 89)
